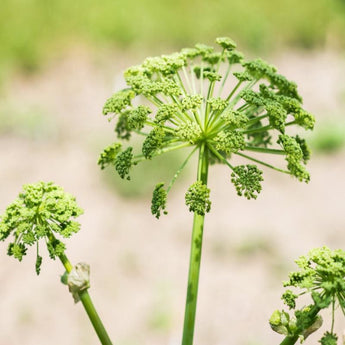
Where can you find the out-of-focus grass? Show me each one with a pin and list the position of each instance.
(30, 122)
(159, 317)
(255, 245)
(30, 30)
(329, 137)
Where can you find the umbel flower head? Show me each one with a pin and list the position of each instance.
(41, 211)
(201, 97)
(322, 275)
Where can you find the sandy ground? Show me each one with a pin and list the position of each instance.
(138, 264)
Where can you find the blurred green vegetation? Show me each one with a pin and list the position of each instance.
(32, 30)
(254, 245)
(29, 121)
(159, 318)
(328, 137)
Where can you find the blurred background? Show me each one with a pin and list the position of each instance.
(59, 61)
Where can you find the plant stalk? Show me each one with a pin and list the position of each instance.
(89, 307)
(195, 257)
(290, 340)
(293, 339)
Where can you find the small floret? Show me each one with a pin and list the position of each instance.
(294, 156)
(212, 58)
(38, 264)
(304, 147)
(123, 163)
(108, 155)
(170, 88)
(252, 98)
(304, 119)
(234, 57)
(165, 113)
(243, 76)
(190, 53)
(217, 103)
(122, 129)
(198, 198)
(247, 180)
(159, 199)
(153, 142)
(134, 71)
(118, 102)
(234, 118)
(297, 170)
(229, 141)
(286, 87)
(329, 339)
(291, 105)
(190, 132)
(259, 68)
(191, 102)
(226, 43)
(268, 94)
(203, 49)
(289, 299)
(291, 146)
(138, 116)
(277, 115)
(165, 64)
(212, 76)
(17, 250)
(142, 85)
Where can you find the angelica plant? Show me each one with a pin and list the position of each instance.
(44, 213)
(321, 275)
(218, 105)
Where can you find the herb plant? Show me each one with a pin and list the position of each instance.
(215, 104)
(223, 108)
(322, 275)
(42, 213)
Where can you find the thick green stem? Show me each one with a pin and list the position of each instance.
(89, 307)
(195, 257)
(94, 318)
(289, 340)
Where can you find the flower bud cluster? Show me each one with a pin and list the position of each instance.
(204, 97)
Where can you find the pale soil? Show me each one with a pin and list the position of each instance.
(139, 264)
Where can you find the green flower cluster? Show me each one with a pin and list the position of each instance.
(41, 211)
(321, 274)
(198, 198)
(201, 97)
(159, 200)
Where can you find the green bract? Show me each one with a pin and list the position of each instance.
(41, 211)
(201, 97)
